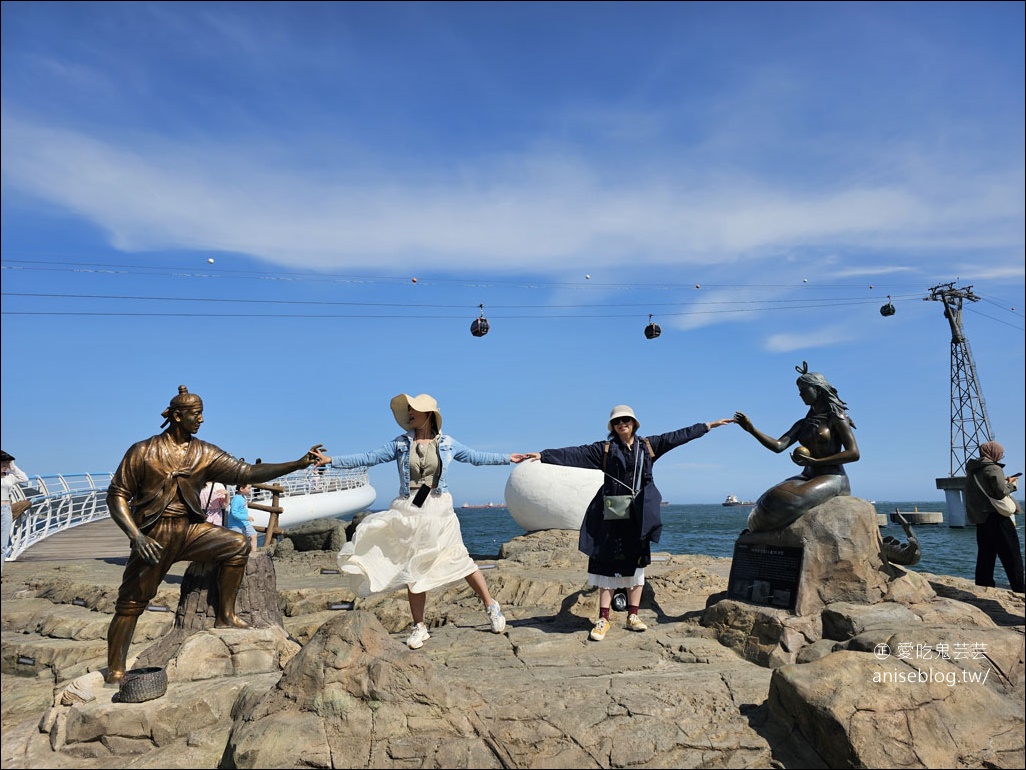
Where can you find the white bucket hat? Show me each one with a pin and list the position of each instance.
(402, 404)
(622, 410)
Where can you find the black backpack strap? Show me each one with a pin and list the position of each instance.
(648, 444)
(605, 455)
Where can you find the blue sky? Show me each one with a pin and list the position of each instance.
(759, 178)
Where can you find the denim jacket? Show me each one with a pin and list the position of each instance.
(398, 449)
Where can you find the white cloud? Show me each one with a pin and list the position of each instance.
(820, 338)
(876, 269)
(537, 212)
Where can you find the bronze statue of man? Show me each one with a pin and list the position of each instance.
(154, 498)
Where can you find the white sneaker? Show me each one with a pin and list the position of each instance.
(496, 617)
(418, 636)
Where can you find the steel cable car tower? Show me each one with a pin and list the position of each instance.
(970, 426)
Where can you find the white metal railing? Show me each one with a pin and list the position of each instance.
(58, 503)
(312, 482)
(62, 502)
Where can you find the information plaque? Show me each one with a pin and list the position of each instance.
(766, 574)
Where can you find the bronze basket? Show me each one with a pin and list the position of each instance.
(142, 684)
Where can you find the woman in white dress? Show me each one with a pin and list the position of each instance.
(417, 542)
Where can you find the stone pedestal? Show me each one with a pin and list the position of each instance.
(842, 560)
(257, 604)
(842, 563)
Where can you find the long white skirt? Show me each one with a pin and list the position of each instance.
(407, 547)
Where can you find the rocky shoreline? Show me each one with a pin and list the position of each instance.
(338, 688)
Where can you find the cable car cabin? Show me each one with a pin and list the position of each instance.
(480, 327)
(652, 331)
(887, 310)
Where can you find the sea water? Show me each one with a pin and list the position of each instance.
(712, 529)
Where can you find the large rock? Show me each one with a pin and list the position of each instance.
(330, 701)
(542, 496)
(354, 697)
(187, 727)
(328, 534)
(222, 652)
(764, 635)
(867, 710)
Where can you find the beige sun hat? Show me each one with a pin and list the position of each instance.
(402, 403)
(622, 410)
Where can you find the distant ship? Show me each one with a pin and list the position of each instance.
(484, 505)
(733, 501)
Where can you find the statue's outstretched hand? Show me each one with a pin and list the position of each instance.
(323, 458)
(316, 456)
(742, 420)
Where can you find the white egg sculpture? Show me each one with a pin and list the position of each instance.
(541, 496)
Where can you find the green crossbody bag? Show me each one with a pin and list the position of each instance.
(615, 507)
(618, 507)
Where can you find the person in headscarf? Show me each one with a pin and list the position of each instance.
(826, 443)
(996, 536)
(154, 497)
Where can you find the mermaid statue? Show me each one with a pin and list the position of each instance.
(825, 443)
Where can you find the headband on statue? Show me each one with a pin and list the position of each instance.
(184, 400)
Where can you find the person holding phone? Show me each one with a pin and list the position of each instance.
(417, 542)
(996, 536)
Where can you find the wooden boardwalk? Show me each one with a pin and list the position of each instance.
(101, 539)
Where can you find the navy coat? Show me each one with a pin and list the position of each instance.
(646, 515)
